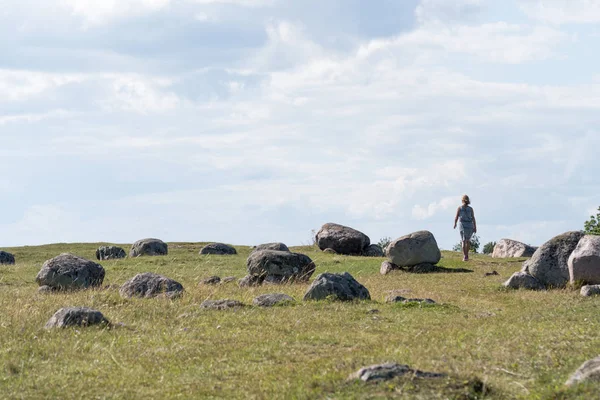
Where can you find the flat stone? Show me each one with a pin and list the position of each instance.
(213, 280)
(270, 300)
(76, 316)
(388, 371)
(225, 304)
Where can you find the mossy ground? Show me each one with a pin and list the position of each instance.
(519, 344)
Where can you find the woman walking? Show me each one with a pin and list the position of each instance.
(467, 227)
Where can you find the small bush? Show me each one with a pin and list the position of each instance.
(489, 248)
(592, 227)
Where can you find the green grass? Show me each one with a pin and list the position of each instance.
(521, 344)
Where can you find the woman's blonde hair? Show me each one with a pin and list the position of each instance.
(466, 200)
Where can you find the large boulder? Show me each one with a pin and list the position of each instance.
(549, 263)
(110, 253)
(271, 246)
(413, 249)
(342, 239)
(508, 248)
(149, 247)
(337, 286)
(588, 372)
(6, 258)
(584, 262)
(76, 316)
(70, 272)
(220, 249)
(151, 285)
(373, 250)
(280, 266)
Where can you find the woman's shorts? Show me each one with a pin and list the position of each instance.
(466, 234)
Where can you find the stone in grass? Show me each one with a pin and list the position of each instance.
(277, 246)
(151, 285)
(225, 304)
(110, 253)
(149, 247)
(70, 272)
(393, 298)
(387, 267)
(589, 371)
(387, 371)
(337, 286)
(76, 316)
(219, 249)
(280, 266)
(213, 280)
(522, 280)
(6, 258)
(250, 281)
(228, 279)
(590, 290)
(270, 300)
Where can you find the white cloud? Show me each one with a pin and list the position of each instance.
(563, 11)
(420, 212)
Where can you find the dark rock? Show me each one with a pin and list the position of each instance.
(213, 280)
(151, 285)
(387, 267)
(590, 290)
(250, 281)
(338, 286)
(280, 266)
(413, 249)
(76, 316)
(423, 301)
(6, 258)
(588, 372)
(493, 273)
(219, 249)
(342, 239)
(271, 246)
(373, 251)
(149, 247)
(221, 304)
(393, 298)
(549, 263)
(110, 253)
(269, 300)
(70, 272)
(423, 268)
(387, 371)
(523, 280)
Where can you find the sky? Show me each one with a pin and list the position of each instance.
(252, 121)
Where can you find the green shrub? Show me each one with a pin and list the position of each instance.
(489, 248)
(592, 227)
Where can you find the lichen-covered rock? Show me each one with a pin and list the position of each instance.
(70, 272)
(76, 316)
(219, 249)
(342, 239)
(373, 251)
(549, 263)
(271, 246)
(280, 266)
(584, 261)
(522, 280)
(6, 258)
(336, 286)
(149, 247)
(151, 285)
(270, 300)
(413, 249)
(589, 371)
(387, 371)
(225, 304)
(110, 253)
(508, 248)
(590, 290)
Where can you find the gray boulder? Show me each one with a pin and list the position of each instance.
(271, 246)
(280, 266)
(590, 290)
(70, 272)
(522, 280)
(221, 304)
(219, 249)
(549, 263)
(342, 239)
(584, 262)
(149, 247)
(339, 286)
(589, 371)
(76, 316)
(373, 251)
(110, 253)
(413, 249)
(508, 248)
(270, 300)
(387, 371)
(151, 285)
(6, 258)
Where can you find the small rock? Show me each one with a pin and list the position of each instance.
(269, 300)
(271, 246)
(221, 304)
(590, 290)
(228, 279)
(339, 286)
(213, 280)
(422, 301)
(493, 273)
(387, 371)
(149, 247)
(250, 281)
(523, 280)
(76, 316)
(589, 371)
(329, 250)
(219, 249)
(151, 285)
(387, 267)
(393, 298)
(110, 253)
(6, 258)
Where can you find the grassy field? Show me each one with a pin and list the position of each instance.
(520, 344)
